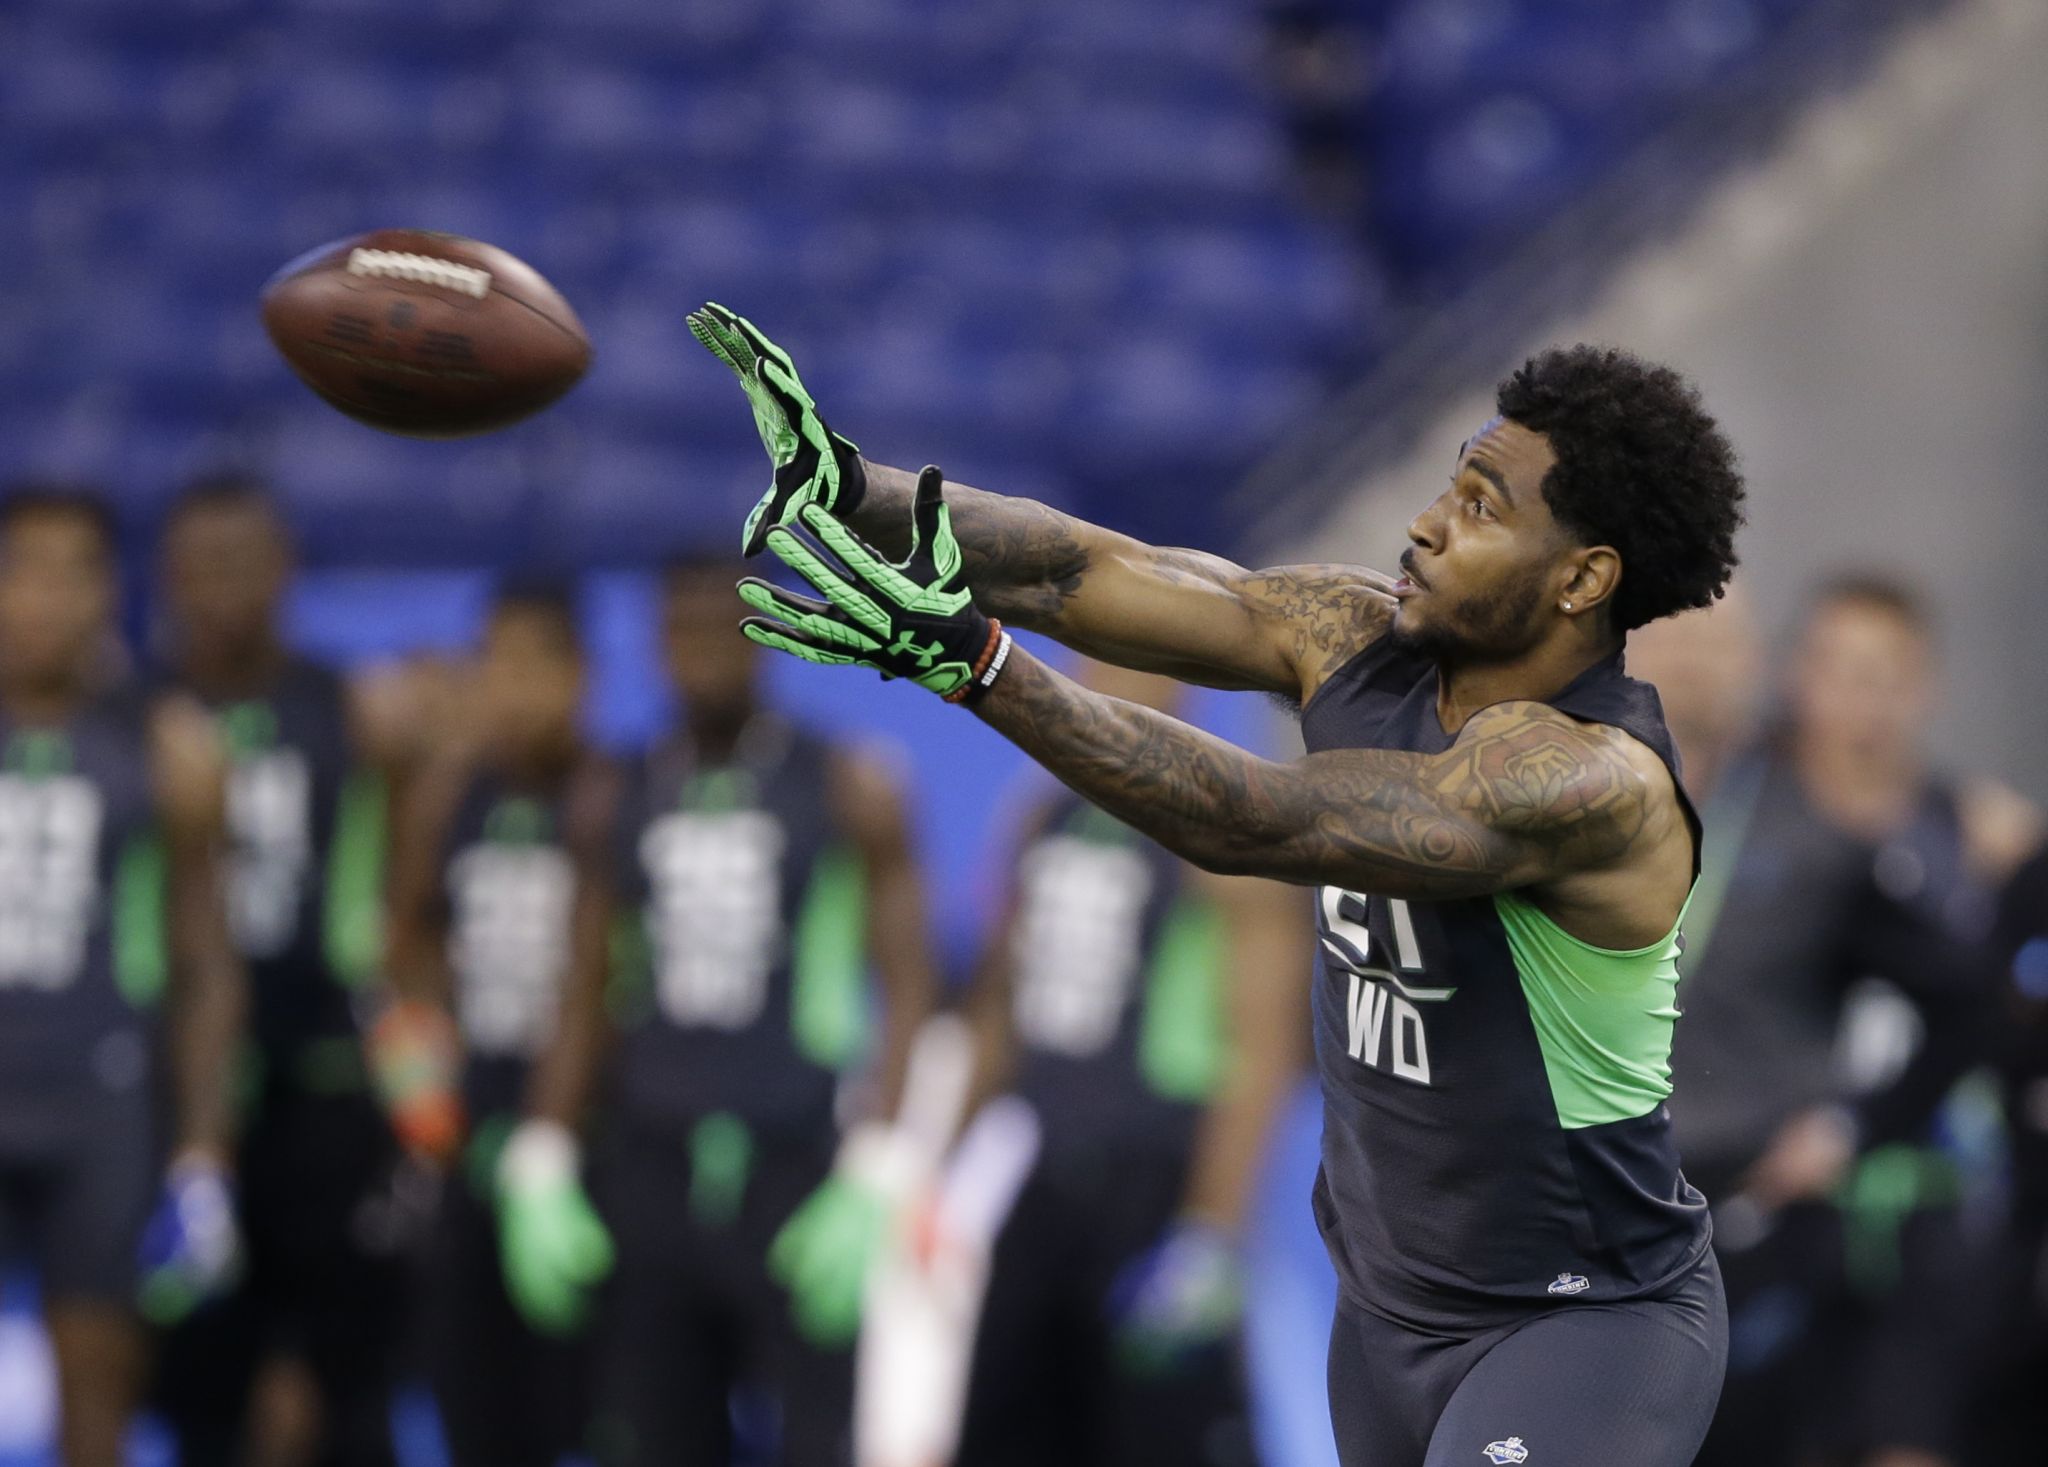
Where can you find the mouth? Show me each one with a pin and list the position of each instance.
(1411, 582)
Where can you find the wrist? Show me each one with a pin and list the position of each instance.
(988, 666)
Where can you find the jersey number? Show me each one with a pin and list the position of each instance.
(1383, 1025)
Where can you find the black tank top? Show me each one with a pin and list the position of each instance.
(1115, 968)
(1494, 1134)
(509, 884)
(305, 868)
(749, 991)
(82, 917)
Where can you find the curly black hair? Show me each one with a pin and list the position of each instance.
(1640, 466)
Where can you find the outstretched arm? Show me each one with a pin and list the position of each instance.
(1184, 613)
(1181, 612)
(1525, 795)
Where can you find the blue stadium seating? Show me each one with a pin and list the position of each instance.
(1062, 238)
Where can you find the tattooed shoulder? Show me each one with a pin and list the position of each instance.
(1584, 792)
(1330, 613)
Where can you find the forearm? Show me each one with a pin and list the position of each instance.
(209, 1008)
(1268, 952)
(1368, 821)
(565, 1073)
(1231, 1143)
(1024, 561)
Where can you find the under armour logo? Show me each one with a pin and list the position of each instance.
(906, 643)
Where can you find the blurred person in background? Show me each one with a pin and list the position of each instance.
(1832, 859)
(765, 869)
(118, 981)
(294, 1366)
(1155, 1017)
(2009, 1418)
(500, 918)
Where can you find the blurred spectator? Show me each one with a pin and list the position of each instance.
(1832, 857)
(1155, 1018)
(764, 869)
(1321, 68)
(2008, 1416)
(111, 806)
(295, 1366)
(499, 910)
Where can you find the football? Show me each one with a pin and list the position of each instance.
(425, 334)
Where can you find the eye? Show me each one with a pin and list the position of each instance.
(1479, 509)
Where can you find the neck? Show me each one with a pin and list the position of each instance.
(715, 732)
(42, 698)
(538, 766)
(1536, 676)
(231, 667)
(1869, 789)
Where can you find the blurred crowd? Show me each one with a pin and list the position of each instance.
(362, 1029)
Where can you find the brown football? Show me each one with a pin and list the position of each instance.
(429, 335)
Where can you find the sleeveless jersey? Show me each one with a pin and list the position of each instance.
(1495, 1137)
(509, 883)
(82, 916)
(305, 863)
(746, 991)
(1115, 986)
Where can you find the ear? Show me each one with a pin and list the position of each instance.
(1592, 577)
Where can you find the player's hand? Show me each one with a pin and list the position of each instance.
(192, 1247)
(414, 1054)
(813, 465)
(555, 1247)
(825, 1251)
(1183, 1295)
(912, 618)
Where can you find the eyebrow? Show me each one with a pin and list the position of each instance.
(1492, 476)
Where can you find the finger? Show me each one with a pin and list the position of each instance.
(721, 344)
(924, 509)
(867, 563)
(758, 342)
(818, 620)
(787, 639)
(841, 587)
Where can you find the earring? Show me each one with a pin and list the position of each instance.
(1567, 606)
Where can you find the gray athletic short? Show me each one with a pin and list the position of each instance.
(1601, 1385)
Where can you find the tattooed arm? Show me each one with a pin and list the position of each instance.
(1526, 796)
(1185, 613)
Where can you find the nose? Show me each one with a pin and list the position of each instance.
(1426, 529)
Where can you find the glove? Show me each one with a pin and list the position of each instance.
(555, 1248)
(1181, 1296)
(823, 1253)
(813, 465)
(912, 618)
(191, 1248)
(414, 1054)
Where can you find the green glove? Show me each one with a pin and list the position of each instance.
(813, 465)
(554, 1247)
(823, 1253)
(822, 1256)
(912, 618)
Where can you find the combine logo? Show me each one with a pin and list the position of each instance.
(1569, 1283)
(1503, 1453)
